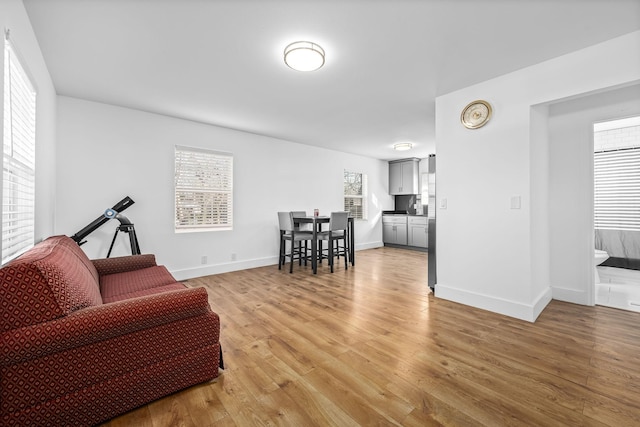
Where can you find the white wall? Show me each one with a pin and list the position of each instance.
(489, 255)
(571, 190)
(106, 153)
(13, 17)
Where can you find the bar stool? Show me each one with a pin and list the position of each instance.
(338, 223)
(301, 227)
(288, 232)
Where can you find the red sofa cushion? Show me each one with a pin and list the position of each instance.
(49, 281)
(68, 244)
(146, 281)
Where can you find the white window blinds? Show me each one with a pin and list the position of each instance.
(355, 194)
(203, 189)
(617, 189)
(18, 162)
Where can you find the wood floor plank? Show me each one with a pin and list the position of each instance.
(612, 412)
(237, 401)
(321, 410)
(372, 345)
(348, 400)
(280, 409)
(141, 417)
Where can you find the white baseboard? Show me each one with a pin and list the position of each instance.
(570, 295)
(528, 312)
(370, 245)
(209, 269)
(541, 302)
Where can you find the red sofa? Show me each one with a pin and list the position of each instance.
(83, 341)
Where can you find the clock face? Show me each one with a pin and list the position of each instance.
(476, 114)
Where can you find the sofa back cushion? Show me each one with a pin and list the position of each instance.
(49, 281)
(68, 244)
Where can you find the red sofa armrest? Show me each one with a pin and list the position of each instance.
(99, 323)
(123, 264)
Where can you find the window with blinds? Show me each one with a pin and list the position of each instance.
(617, 189)
(617, 175)
(203, 189)
(355, 194)
(18, 160)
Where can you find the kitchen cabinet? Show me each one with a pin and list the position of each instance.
(403, 176)
(417, 234)
(394, 229)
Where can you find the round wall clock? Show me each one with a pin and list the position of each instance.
(476, 114)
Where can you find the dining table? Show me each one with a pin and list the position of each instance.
(317, 222)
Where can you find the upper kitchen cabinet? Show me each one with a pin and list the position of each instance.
(403, 176)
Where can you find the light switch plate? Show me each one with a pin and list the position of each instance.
(515, 202)
(443, 203)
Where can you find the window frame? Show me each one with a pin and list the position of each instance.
(208, 189)
(19, 155)
(364, 211)
(617, 174)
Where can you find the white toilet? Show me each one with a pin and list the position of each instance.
(599, 257)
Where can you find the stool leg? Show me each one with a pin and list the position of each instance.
(331, 254)
(281, 254)
(346, 254)
(291, 256)
(306, 252)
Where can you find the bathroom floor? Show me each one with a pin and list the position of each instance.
(618, 288)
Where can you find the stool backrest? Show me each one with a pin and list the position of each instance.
(301, 227)
(338, 221)
(285, 219)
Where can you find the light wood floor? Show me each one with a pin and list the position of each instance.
(372, 346)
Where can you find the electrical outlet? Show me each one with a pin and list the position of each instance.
(203, 260)
(233, 257)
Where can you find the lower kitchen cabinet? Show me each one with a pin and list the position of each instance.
(394, 230)
(405, 230)
(417, 231)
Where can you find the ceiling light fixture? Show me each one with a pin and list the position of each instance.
(403, 146)
(304, 56)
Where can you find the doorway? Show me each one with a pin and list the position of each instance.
(571, 187)
(616, 146)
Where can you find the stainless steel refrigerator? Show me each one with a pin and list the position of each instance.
(431, 218)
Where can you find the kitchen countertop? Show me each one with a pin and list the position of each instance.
(400, 213)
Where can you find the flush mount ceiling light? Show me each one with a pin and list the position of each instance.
(304, 56)
(403, 146)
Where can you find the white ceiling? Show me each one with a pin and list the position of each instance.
(220, 62)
